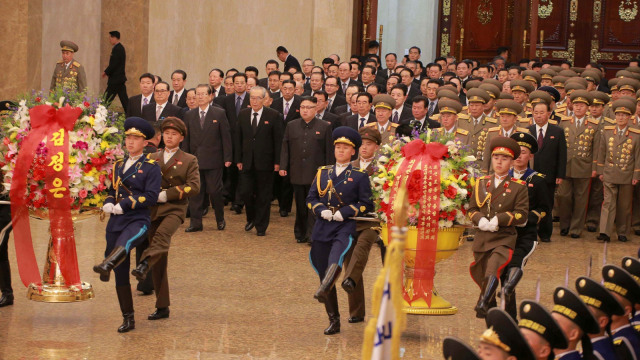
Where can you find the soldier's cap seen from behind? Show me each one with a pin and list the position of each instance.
(527, 140)
(568, 304)
(504, 333)
(139, 127)
(619, 281)
(536, 318)
(454, 349)
(596, 295)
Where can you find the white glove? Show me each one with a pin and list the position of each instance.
(107, 208)
(493, 224)
(326, 214)
(162, 197)
(483, 223)
(117, 210)
(338, 216)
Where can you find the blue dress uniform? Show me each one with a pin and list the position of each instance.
(622, 284)
(134, 191)
(347, 192)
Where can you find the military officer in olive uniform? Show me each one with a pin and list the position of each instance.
(576, 322)
(68, 74)
(520, 89)
(627, 291)
(478, 122)
(448, 115)
(134, 190)
(619, 169)
(383, 104)
(508, 111)
(180, 180)
(498, 204)
(581, 134)
(540, 329)
(338, 193)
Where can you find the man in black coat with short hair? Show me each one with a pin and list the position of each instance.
(116, 72)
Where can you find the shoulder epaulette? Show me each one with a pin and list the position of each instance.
(634, 130)
(518, 181)
(610, 127)
(528, 113)
(149, 160)
(553, 122)
(435, 116)
(593, 121)
(60, 62)
(394, 125)
(561, 106)
(609, 120)
(495, 128)
(465, 108)
(463, 116)
(485, 177)
(325, 167)
(540, 174)
(75, 63)
(359, 170)
(563, 117)
(371, 124)
(523, 119)
(462, 131)
(491, 120)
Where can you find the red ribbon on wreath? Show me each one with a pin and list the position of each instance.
(421, 169)
(54, 126)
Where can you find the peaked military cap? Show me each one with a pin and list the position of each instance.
(539, 96)
(478, 95)
(347, 135)
(521, 85)
(370, 133)
(509, 107)
(454, 349)
(66, 45)
(139, 127)
(596, 295)
(599, 98)
(619, 281)
(384, 101)
(504, 333)
(624, 105)
(175, 123)
(581, 96)
(555, 95)
(446, 105)
(536, 318)
(505, 146)
(527, 140)
(568, 304)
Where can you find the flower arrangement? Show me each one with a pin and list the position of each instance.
(94, 144)
(458, 171)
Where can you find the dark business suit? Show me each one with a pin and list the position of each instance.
(435, 108)
(134, 107)
(342, 109)
(258, 150)
(406, 114)
(211, 145)
(231, 175)
(413, 91)
(149, 112)
(550, 160)
(294, 108)
(117, 78)
(291, 62)
(330, 118)
(264, 82)
(338, 100)
(182, 100)
(305, 147)
(408, 126)
(353, 121)
(349, 83)
(282, 188)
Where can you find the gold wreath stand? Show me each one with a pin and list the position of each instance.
(449, 239)
(54, 288)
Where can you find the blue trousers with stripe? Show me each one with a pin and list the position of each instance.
(324, 253)
(129, 238)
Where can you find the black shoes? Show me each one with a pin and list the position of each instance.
(545, 240)
(237, 208)
(301, 241)
(126, 307)
(162, 313)
(564, 232)
(205, 211)
(592, 228)
(349, 286)
(193, 229)
(575, 236)
(604, 237)
(6, 299)
(354, 320)
(637, 232)
(284, 213)
(128, 323)
(248, 226)
(114, 259)
(141, 271)
(622, 238)
(222, 224)
(262, 233)
(334, 327)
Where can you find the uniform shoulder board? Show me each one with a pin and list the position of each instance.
(523, 119)
(435, 116)
(462, 131)
(325, 167)
(521, 129)
(491, 120)
(373, 124)
(485, 177)
(610, 127)
(593, 121)
(60, 62)
(76, 64)
(564, 117)
(540, 174)
(634, 130)
(528, 113)
(463, 116)
(561, 106)
(518, 181)
(465, 108)
(149, 160)
(495, 128)
(553, 122)
(394, 125)
(609, 120)
(359, 170)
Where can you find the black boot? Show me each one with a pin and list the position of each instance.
(5, 284)
(488, 294)
(114, 259)
(514, 274)
(141, 271)
(328, 283)
(126, 306)
(331, 306)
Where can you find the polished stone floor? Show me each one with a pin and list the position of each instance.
(239, 296)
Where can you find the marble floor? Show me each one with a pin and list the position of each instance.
(239, 296)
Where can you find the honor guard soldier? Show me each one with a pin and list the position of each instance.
(180, 180)
(627, 291)
(366, 233)
(502, 340)
(603, 306)
(135, 185)
(633, 267)
(576, 322)
(449, 111)
(619, 169)
(499, 203)
(383, 105)
(338, 193)
(539, 207)
(540, 329)
(454, 349)
(68, 74)
(581, 134)
(508, 111)
(478, 123)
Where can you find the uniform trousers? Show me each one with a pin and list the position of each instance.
(211, 185)
(596, 197)
(129, 237)
(545, 227)
(305, 218)
(121, 91)
(325, 252)
(616, 207)
(572, 203)
(635, 216)
(256, 188)
(489, 263)
(354, 264)
(525, 246)
(283, 191)
(145, 285)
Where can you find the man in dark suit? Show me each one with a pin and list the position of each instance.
(391, 60)
(401, 112)
(162, 108)
(364, 115)
(316, 83)
(289, 60)
(137, 102)
(344, 78)
(232, 105)
(306, 145)
(333, 99)
(322, 113)
(178, 96)
(216, 77)
(420, 122)
(257, 145)
(116, 73)
(270, 66)
(550, 160)
(432, 86)
(273, 84)
(413, 90)
(346, 108)
(209, 139)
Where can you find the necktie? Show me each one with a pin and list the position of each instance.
(215, 92)
(175, 99)
(202, 113)
(344, 88)
(145, 101)
(238, 105)
(431, 106)
(158, 112)
(254, 123)
(329, 104)
(307, 80)
(361, 122)
(318, 117)
(540, 139)
(286, 109)
(395, 116)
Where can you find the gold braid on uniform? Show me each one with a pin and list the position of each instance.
(322, 192)
(481, 203)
